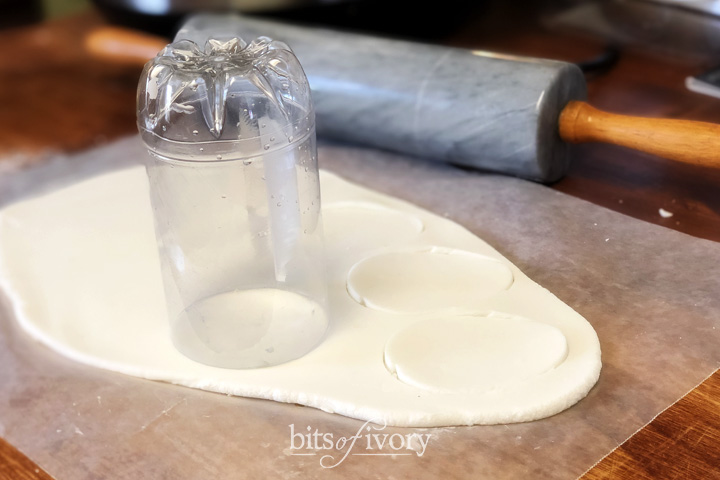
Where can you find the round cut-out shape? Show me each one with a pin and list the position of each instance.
(474, 354)
(249, 328)
(351, 226)
(428, 280)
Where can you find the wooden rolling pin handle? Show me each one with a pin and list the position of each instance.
(687, 141)
(123, 46)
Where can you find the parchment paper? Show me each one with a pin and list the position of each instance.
(651, 294)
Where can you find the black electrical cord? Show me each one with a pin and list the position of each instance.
(601, 64)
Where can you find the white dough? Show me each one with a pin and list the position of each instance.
(474, 354)
(427, 280)
(452, 334)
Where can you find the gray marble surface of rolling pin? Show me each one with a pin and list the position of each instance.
(471, 108)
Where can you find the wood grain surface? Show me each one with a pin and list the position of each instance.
(56, 99)
(16, 466)
(682, 442)
(696, 143)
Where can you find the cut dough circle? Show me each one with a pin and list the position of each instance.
(356, 226)
(427, 280)
(474, 354)
(250, 328)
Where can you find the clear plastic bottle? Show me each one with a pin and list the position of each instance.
(236, 197)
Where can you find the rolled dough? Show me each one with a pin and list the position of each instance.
(429, 325)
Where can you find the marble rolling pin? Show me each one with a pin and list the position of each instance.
(493, 112)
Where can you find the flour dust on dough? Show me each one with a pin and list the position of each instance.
(429, 325)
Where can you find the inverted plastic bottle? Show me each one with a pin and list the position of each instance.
(235, 193)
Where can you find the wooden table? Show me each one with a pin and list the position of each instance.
(54, 98)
